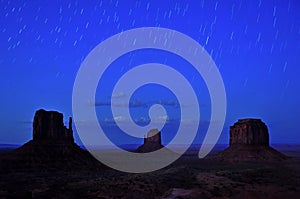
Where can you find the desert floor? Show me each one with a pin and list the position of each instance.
(188, 177)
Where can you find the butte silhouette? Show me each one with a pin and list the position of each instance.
(249, 141)
(52, 147)
(152, 142)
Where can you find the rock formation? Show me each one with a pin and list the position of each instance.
(152, 142)
(249, 132)
(48, 125)
(52, 148)
(249, 141)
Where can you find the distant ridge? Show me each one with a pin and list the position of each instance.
(9, 146)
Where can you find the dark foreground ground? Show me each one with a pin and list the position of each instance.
(189, 177)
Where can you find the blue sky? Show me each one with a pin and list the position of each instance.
(255, 44)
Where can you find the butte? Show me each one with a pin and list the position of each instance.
(52, 148)
(152, 142)
(249, 141)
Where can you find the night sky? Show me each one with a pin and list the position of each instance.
(255, 44)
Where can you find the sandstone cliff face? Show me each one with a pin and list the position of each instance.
(152, 142)
(249, 141)
(249, 132)
(48, 125)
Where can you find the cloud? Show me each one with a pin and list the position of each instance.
(138, 103)
(157, 120)
(172, 103)
(99, 103)
(142, 121)
(120, 118)
(139, 121)
(118, 95)
(135, 103)
(162, 118)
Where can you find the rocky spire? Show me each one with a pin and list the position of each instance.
(70, 123)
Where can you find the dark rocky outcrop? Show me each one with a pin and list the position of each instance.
(152, 142)
(52, 148)
(249, 132)
(48, 125)
(249, 141)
